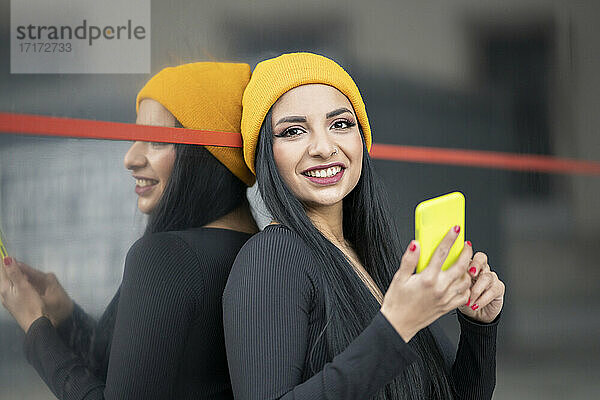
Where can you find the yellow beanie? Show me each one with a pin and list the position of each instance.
(274, 77)
(206, 96)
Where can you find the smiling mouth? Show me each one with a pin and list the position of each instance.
(323, 173)
(325, 176)
(142, 183)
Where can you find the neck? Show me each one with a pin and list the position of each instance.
(240, 220)
(329, 221)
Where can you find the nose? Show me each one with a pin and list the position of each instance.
(135, 158)
(321, 144)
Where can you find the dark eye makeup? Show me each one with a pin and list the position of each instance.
(290, 132)
(340, 124)
(344, 122)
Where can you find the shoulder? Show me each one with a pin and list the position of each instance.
(276, 243)
(277, 235)
(189, 254)
(277, 256)
(161, 245)
(161, 268)
(213, 243)
(192, 242)
(160, 256)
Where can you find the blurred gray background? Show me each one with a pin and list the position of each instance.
(516, 76)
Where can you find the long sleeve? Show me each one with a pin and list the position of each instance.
(267, 307)
(473, 373)
(90, 339)
(155, 308)
(77, 331)
(66, 374)
(471, 368)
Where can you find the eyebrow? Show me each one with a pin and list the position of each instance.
(337, 112)
(291, 119)
(303, 119)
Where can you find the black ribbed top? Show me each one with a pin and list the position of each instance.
(274, 314)
(161, 336)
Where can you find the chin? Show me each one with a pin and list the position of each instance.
(323, 201)
(325, 196)
(144, 207)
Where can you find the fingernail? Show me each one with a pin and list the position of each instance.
(472, 270)
(469, 243)
(457, 228)
(7, 260)
(468, 302)
(474, 307)
(412, 246)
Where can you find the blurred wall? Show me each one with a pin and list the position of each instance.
(432, 41)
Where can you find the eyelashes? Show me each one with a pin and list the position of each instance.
(349, 124)
(289, 132)
(340, 124)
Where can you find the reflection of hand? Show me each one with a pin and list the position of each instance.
(413, 301)
(58, 305)
(487, 291)
(18, 295)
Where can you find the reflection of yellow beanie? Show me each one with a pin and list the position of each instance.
(272, 78)
(206, 96)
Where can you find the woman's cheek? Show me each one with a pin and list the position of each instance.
(285, 164)
(354, 152)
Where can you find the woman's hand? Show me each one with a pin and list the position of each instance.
(57, 303)
(413, 301)
(487, 291)
(18, 295)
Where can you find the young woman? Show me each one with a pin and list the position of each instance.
(322, 304)
(161, 336)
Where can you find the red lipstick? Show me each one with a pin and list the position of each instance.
(329, 180)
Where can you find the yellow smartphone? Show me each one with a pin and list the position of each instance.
(3, 251)
(433, 219)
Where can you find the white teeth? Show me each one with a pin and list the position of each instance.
(144, 182)
(322, 173)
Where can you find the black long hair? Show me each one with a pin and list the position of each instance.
(349, 305)
(199, 190)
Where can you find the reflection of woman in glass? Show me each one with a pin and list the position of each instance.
(322, 303)
(161, 336)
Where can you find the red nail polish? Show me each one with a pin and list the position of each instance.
(468, 302)
(472, 270)
(457, 228)
(412, 246)
(469, 243)
(7, 260)
(474, 307)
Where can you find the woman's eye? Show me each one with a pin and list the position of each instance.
(159, 144)
(289, 132)
(342, 124)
